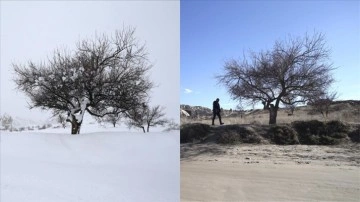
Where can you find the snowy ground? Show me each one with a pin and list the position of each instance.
(100, 164)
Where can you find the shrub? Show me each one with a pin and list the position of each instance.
(312, 140)
(193, 132)
(232, 134)
(309, 131)
(354, 135)
(336, 127)
(42, 127)
(255, 122)
(283, 135)
(229, 137)
(313, 127)
(327, 140)
(316, 132)
(335, 132)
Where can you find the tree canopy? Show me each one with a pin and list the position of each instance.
(102, 76)
(294, 70)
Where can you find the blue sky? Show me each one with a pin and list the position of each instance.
(214, 31)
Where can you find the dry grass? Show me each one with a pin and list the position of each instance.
(257, 120)
(343, 113)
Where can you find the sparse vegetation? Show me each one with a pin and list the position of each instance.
(230, 137)
(342, 125)
(233, 134)
(62, 120)
(354, 134)
(322, 104)
(193, 132)
(284, 135)
(336, 127)
(110, 118)
(315, 132)
(141, 116)
(348, 112)
(300, 132)
(172, 125)
(7, 122)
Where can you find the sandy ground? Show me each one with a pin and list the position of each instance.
(211, 172)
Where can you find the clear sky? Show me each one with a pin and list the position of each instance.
(214, 31)
(32, 30)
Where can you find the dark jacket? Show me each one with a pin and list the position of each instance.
(216, 107)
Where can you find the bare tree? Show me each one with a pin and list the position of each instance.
(111, 118)
(101, 75)
(137, 116)
(145, 116)
(293, 71)
(322, 104)
(155, 117)
(290, 108)
(172, 125)
(62, 120)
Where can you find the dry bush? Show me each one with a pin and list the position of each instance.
(255, 122)
(318, 133)
(283, 135)
(232, 134)
(335, 132)
(350, 116)
(336, 127)
(193, 132)
(354, 134)
(309, 128)
(229, 137)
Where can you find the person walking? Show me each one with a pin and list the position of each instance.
(216, 111)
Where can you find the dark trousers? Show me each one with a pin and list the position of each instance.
(214, 115)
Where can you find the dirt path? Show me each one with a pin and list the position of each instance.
(269, 173)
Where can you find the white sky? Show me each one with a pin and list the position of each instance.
(32, 30)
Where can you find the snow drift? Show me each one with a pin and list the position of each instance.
(99, 166)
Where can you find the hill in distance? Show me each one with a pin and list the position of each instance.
(346, 111)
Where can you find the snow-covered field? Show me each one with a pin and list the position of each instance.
(100, 164)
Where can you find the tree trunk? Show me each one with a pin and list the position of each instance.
(143, 129)
(148, 128)
(273, 114)
(75, 128)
